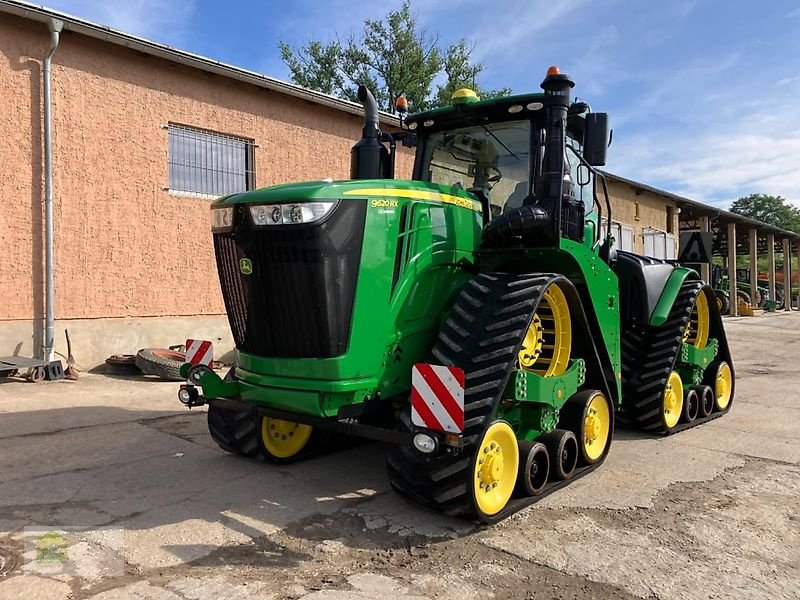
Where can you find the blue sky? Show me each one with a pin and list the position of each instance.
(701, 93)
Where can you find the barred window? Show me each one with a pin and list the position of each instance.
(209, 164)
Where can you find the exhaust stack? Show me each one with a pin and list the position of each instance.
(555, 191)
(369, 158)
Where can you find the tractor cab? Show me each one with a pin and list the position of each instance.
(492, 148)
(517, 151)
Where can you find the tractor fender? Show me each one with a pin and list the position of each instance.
(670, 293)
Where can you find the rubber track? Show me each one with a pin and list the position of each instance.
(482, 335)
(649, 354)
(235, 431)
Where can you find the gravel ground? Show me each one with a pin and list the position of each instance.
(164, 514)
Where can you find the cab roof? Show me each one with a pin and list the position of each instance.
(492, 110)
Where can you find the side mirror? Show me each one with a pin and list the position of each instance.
(595, 139)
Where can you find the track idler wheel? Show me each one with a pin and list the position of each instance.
(588, 415)
(562, 446)
(720, 378)
(672, 401)
(495, 470)
(282, 440)
(691, 401)
(534, 468)
(706, 399)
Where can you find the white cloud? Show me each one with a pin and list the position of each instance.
(166, 21)
(756, 153)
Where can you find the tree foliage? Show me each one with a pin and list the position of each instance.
(774, 210)
(462, 72)
(392, 57)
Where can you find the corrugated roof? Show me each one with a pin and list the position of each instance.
(706, 210)
(43, 14)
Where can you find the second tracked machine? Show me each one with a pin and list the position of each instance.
(476, 317)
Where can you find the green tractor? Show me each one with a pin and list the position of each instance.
(472, 317)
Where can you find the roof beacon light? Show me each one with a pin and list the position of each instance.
(554, 70)
(464, 96)
(401, 106)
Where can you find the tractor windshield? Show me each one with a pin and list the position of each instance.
(495, 159)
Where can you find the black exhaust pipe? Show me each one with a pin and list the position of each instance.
(369, 158)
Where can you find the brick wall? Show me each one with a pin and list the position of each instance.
(643, 210)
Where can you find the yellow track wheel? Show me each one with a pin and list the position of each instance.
(673, 400)
(588, 415)
(283, 439)
(696, 332)
(548, 341)
(723, 386)
(495, 471)
(596, 428)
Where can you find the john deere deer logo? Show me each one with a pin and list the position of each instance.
(245, 266)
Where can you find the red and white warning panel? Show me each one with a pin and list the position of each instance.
(437, 397)
(199, 352)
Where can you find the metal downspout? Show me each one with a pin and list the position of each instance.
(55, 27)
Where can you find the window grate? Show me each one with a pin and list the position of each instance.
(208, 164)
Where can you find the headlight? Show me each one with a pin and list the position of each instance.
(221, 218)
(290, 214)
(425, 443)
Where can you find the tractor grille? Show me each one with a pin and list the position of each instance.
(298, 300)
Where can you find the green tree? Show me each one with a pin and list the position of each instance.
(774, 210)
(315, 66)
(392, 57)
(461, 72)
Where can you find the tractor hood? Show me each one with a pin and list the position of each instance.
(352, 189)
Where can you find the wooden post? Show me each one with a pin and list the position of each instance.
(732, 269)
(705, 269)
(787, 276)
(798, 269)
(753, 265)
(771, 264)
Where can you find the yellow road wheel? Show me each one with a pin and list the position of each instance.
(283, 439)
(723, 386)
(673, 400)
(696, 332)
(548, 341)
(495, 471)
(589, 416)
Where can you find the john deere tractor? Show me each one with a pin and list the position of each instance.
(473, 317)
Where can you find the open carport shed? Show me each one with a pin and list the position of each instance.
(734, 235)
